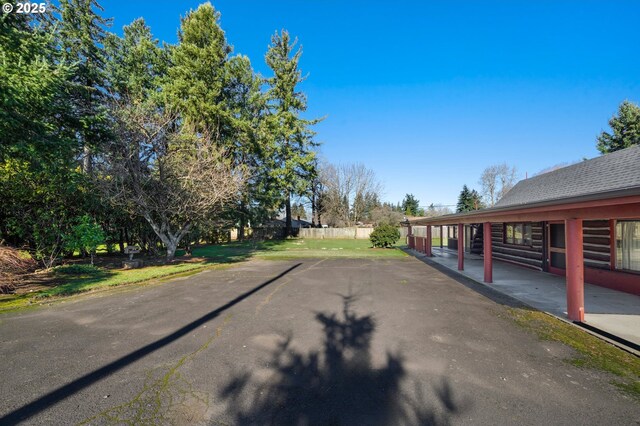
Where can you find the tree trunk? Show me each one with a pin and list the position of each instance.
(313, 209)
(243, 223)
(288, 226)
(241, 229)
(171, 249)
(86, 160)
(169, 239)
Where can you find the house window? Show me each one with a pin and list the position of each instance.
(517, 234)
(628, 245)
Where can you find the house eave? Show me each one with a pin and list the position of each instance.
(594, 203)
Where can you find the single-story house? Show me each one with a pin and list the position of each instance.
(580, 221)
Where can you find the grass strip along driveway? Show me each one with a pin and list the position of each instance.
(79, 278)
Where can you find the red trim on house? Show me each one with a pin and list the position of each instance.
(575, 269)
(488, 253)
(620, 208)
(615, 280)
(627, 282)
(460, 247)
(557, 271)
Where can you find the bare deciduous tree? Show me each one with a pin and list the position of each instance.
(174, 178)
(384, 214)
(347, 188)
(437, 210)
(496, 181)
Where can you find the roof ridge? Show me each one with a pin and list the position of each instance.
(608, 172)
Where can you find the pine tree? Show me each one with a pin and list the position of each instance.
(293, 157)
(82, 32)
(135, 63)
(195, 84)
(468, 200)
(40, 191)
(626, 129)
(251, 143)
(410, 205)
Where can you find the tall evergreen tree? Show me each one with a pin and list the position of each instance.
(135, 63)
(250, 142)
(196, 79)
(40, 190)
(82, 32)
(410, 205)
(293, 152)
(626, 129)
(469, 200)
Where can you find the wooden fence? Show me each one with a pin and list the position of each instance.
(317, 233)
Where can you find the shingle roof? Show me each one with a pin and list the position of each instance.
(611, 172)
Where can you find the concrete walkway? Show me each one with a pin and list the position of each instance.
(612, 311)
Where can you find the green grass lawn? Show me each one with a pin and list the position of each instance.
(295, 248)
(79, 278)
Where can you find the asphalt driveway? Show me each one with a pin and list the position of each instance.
(326, 342)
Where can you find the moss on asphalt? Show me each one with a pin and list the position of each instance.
(592, 352)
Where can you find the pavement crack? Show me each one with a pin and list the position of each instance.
(267, 299)
(154, 403)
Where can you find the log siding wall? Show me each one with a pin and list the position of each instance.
(597, 244)
(529, 256)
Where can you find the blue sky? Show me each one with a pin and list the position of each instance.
(428, 94)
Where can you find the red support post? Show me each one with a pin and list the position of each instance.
(428, 242)
(575, 269)
(460, 247)
(488, 255)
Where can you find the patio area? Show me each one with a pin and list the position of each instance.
(612, 311)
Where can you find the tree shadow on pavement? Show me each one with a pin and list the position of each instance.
(338, 384)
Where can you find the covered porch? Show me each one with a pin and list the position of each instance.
(609, 310)
(567, 216)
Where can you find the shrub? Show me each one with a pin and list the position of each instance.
(384, 236)
(86, 235)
